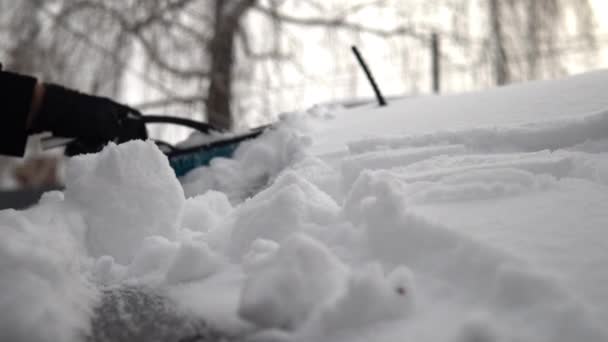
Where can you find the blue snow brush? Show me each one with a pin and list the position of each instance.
(182, 160)
(185, 160)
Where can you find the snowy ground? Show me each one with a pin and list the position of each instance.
(474, 217)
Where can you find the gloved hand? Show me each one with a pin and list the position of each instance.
(92, 119)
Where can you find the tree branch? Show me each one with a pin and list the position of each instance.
(172, 100)
(274, 54)
(63, 23)
(340, 22)
(135, 30)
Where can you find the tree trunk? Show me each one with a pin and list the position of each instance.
(532, 37)
(23, 55)
(501, 67)
(222, 62)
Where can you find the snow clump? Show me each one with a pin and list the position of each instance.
(194, 261)
(43, 294)
(301, 276)
(253, 165)
(370, 297)
(205, 212)
(291, 204)
(126, 193)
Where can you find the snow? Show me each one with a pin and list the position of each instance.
(290, 205)
(152, 258)
(205, 212)
(302, 275)
(533, 102)
(370, 297)
(183, 269)
(43, 294)
(126, 194)
(548, 135)
(470, 217)
(254, 164)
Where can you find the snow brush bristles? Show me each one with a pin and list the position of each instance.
(184, 160)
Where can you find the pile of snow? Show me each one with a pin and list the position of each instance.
(253, 165)
(126, 194)
(301, 275)
(44, 296)
(290, 205)
(491, 230)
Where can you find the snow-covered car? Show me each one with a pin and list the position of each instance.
(465, 217)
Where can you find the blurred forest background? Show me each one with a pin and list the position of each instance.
(241, 62)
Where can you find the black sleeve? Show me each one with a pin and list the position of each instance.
(15, 100)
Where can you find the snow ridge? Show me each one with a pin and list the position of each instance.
(548, 135)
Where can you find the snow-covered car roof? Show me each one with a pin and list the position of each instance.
(465, 217)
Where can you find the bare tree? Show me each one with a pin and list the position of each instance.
(501, 68)
(227, 18)
(529, 37)
(201, 44)
(215, 57)
(195, 52)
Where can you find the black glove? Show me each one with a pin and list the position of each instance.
(94, 120)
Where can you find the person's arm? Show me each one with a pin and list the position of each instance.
(16, 93)
(29, 106)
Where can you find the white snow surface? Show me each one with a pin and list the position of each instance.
(472, 217)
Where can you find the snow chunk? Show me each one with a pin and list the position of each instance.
(322, 175)
(194, 261)
(205, 212)
(126, 193)
(43, 295)
(290, 205)
(107, 272)
(371, 297)
(302, 276)
(367, 188)
(254, 164)
(152, 257)
(260, 254)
